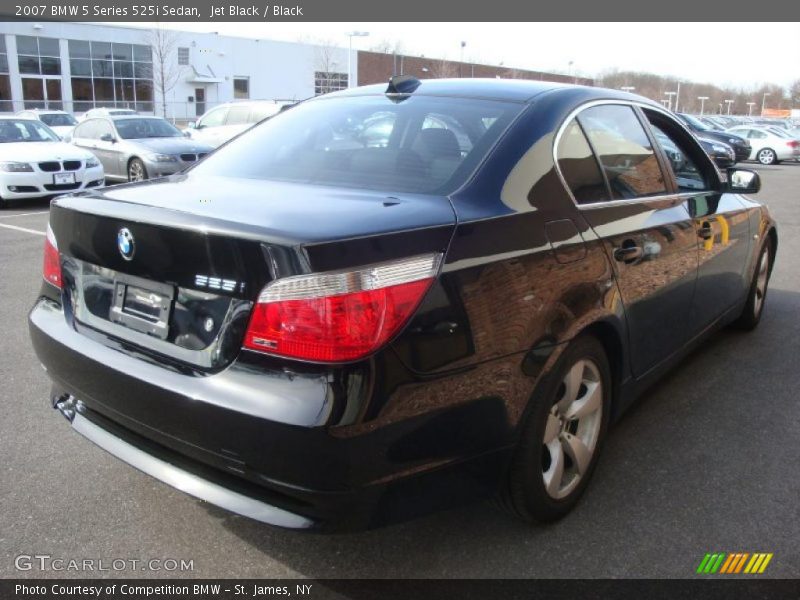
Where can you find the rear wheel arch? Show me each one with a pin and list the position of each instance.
(612, 341)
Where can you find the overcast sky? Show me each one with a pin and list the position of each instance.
(728, 53)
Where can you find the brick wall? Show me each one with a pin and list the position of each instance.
(377, 67)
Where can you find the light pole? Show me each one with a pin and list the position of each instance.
(351, 35)
(750, 106)
(627, 88)
(763, 102)
(670, 94)
(461, 59)
(677, 96)
(729, 102)
(702, 103)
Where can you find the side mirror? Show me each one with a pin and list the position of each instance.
(187, 133)
(743, 181)
(107, 137)
(191, 125)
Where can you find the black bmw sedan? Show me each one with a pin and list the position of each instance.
(394, 298)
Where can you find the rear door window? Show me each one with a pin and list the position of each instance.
(579, 167)
(625, 152)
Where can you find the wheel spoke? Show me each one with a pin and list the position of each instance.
(552, 429)
(577, 451)
(554, 475)
(587, 404)
(572, 385)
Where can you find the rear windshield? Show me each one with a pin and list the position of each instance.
(418, 145)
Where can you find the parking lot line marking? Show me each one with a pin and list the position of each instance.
(41, 212)
(24, 229)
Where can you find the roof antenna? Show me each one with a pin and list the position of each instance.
(402, 84)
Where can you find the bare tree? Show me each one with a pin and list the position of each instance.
(387, 46)
(794, 93)
(324, 55)
(166, 71)
(443, 69)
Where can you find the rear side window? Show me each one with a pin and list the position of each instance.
(624, 150)
(238, 115)
(87, 130)
(579, 166)
(214, 118)
(419, 144)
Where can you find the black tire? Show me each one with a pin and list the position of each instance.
(767, 156)
(135, 165)
(4, 203)
(525, 494)
(753, 308)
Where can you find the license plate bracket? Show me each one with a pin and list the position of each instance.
(142, 305)
(63, 178)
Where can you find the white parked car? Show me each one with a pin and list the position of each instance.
(225, 121)
(58, 120)
(35, 163)
(769, 146)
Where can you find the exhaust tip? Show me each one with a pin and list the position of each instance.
(68, 405)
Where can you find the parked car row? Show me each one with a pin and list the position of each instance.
(124, 146)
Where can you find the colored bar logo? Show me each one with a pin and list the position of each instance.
(734, 563)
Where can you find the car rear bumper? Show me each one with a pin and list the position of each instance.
(256, 443)
(180, 478)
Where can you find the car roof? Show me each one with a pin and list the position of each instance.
(512, 90)
(137, 116)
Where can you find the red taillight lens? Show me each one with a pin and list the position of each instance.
(793, 143)
(335, 317)
(51, 269)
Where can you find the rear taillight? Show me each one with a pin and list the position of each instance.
(339, 316)
(51, 269)
(793, 143)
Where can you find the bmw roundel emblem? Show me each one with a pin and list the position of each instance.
(126, 244)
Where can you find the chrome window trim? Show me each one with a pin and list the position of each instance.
(633, 104)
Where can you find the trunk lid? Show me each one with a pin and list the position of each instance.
(203, 248)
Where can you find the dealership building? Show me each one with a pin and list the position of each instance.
(78, 66)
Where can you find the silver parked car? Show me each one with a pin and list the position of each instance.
(134, 148)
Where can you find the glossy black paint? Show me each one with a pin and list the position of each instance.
(432, 418)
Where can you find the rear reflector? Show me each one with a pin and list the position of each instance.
(51, 269)
(339, 316)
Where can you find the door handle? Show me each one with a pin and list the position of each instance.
(628, 254)
(705, 231)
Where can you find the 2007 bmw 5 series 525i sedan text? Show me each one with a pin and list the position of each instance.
(391, 299)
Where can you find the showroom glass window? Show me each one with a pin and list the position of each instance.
(106, 74)
(38, 56)
(5, 82)
(241, 88)
(579, 166)
(625, 152)
(326, 82)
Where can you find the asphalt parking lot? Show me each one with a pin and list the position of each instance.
(706, 462)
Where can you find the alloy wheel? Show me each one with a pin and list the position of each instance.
(761, 283)
(572, 429)
(136, 171)
(766, 156)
